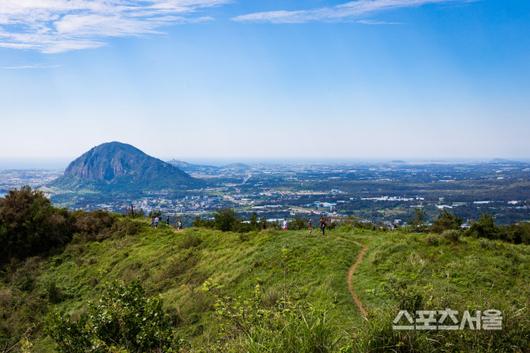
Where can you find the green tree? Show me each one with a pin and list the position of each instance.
(30, 225)
(226, 220)
(485, 227)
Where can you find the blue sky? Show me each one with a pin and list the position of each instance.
(317, 79)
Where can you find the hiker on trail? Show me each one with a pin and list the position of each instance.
(156, 221)
(179, 224)
(323, 225)
(167, 220)
(310, 226)
(284, 225)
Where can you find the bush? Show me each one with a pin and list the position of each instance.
(123, 320)
(452, 236)
(518, 233)
(446, 221)
(126, 226)
(484, 228)
(93, 224)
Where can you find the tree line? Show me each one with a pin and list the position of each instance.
(484, 227)
(31, 226)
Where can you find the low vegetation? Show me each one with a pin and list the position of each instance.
(484, 227)
(31, 226)
(123, 319)
(229, 289)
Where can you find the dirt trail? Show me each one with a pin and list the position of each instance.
(351, 272)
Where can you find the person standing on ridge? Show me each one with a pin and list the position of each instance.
(323, 225)
(156, 221)
(310, 226)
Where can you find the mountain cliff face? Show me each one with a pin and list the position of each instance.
(121, 166)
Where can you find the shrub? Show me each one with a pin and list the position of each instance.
(485, 227)
(93, 223)
(123, 320)
(446, 221)
(452, 236)
(518, 233)
(126, 226)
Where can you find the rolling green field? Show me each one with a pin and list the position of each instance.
(189, 269)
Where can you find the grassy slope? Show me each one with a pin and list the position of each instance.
(176, 264)
(471, 274)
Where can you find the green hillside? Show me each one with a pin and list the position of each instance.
(192, 269)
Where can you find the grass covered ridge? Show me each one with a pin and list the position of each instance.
(190, 268)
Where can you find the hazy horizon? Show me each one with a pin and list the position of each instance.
(62, 163)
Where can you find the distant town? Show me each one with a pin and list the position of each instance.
(386, 193)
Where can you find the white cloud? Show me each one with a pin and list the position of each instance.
(350, 10)
(377, 22)
(53, 26)
(31, 67)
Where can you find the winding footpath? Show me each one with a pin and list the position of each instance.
(349, 277)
